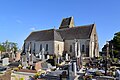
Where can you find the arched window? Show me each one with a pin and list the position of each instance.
(46, 47)
(70, 48)
(83, 48)
(40, 47)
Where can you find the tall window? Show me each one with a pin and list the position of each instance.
(40, 47)
(46, 47)
(34, 47)
(70, 48)
(83, 48)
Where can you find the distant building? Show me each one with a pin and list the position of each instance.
(62, 40)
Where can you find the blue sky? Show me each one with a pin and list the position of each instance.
(19, 17)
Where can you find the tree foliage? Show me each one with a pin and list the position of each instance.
(116, 41)
(114, 45)
(8, 46)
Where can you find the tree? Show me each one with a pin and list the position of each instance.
(2, 48)
(8, 46)
(114, 46)
(116, 41)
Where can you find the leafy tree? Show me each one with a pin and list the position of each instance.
(114, 45)
(116, 41)
(8, 46)
(2, 48)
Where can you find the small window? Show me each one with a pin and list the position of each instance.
(83, 48)
(70, 48)
(40, 47)
(46, 47)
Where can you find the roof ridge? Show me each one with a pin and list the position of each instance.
(75, 27)
(43, 30)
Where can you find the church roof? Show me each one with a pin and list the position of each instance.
(44, 35)
(79, 32)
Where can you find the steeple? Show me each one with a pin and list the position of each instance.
(67, 23)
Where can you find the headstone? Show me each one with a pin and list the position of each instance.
(48, 57)
(67, 56)
(74, 67)
(24, 61)
(40, 56)
(31, 59)
(17, 56)
(5, 61)
(43, 54)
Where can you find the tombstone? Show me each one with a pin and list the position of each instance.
(31, 59)
(43, 54)
(40, 56)
(5, 61)
(74, 67)
(24, 61)
(17, 56)
(67, 56)
(48, 57)
(13, 55)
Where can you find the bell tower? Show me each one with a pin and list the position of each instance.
(67, 23)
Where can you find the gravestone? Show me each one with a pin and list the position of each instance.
(5, 61)
(67, 57)
(40, 55)
(24, 61)
(43, 54)
(31, 59)
(48, 57)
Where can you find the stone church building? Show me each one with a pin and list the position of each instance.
(62, 40)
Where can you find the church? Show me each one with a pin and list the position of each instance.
(64, 40)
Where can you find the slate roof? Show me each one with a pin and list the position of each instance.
(79, 32)
(44, 35)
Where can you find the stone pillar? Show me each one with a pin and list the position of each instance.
(75, 48)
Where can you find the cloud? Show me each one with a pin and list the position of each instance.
(33, 28)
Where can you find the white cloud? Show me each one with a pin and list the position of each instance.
(33, 29)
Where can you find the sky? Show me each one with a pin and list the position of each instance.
(18, 18)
